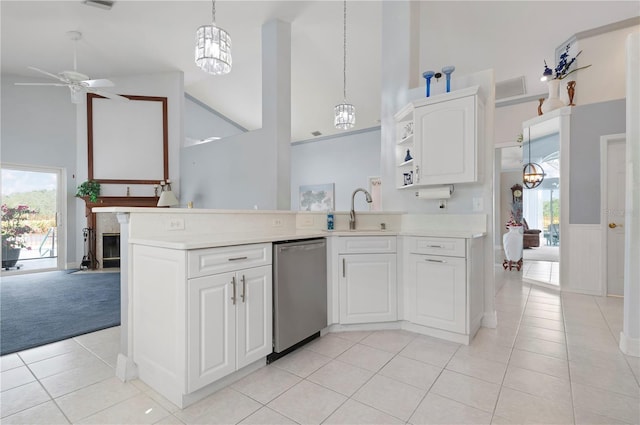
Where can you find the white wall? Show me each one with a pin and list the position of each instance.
(348, 161)
(169, 85)
(38, 128)
(202, 122)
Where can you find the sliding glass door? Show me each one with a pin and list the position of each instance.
(31, 218)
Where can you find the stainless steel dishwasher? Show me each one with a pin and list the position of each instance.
(299, 293)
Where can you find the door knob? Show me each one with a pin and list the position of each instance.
(614, 225)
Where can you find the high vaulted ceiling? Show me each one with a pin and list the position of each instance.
(145, 37)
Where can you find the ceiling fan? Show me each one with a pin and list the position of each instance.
(78, 83)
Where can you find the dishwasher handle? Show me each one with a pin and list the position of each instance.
(302, 247)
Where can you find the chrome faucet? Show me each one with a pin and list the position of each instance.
(352, 213)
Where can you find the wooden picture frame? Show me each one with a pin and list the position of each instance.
(128, 142)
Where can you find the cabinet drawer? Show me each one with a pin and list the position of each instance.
(203, 262)
(366, 244)
(450, 247)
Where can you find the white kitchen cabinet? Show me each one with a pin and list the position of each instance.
(229, 323)
(441, 278)
(367, 283)
(199, 315)
(446, 141)
(440, 292)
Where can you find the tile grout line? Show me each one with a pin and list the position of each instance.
(495, 406)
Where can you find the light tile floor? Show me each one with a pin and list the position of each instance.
(552, 359)
(542, 271)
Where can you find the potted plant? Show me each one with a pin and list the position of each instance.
(90, 189)
(14, 230)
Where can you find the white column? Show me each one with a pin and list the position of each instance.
(125, 368)
(630, 335)
(276, 104)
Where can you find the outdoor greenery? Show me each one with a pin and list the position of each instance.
(43, 202)
(547, 209)
(14, 227)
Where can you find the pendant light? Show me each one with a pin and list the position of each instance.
(213, 47)
(532, 173)
(344, 113)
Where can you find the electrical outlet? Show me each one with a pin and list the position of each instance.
(307, 221)
(176, 224)
(277, 222)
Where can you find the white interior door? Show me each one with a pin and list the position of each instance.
(614, 212)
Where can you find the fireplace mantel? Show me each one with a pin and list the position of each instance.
(112, 201)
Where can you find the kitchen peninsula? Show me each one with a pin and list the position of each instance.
(186, 332)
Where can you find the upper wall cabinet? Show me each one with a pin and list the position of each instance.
(442, 135)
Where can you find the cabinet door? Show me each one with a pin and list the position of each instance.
(447, 136)
(211, 329)
(368, 288)
(437, 292)
(254, 315)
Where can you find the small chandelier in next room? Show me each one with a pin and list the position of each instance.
(213, 47)
(345, 113)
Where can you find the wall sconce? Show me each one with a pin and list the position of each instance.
(167, 198)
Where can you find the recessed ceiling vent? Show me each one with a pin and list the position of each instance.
(102, 4)
(510, 88)
(315, 133)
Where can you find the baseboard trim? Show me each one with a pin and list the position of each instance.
(126, 369)
(629, 346)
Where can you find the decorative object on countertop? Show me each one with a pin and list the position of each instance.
(90, 188)
(553, 77)
(532, 173)
(571, 91)
(540, 102)
(408, 156)
(213, 47)
(14, 230)
(427, 75)
(344, 113)
(330, 223)
(448, 70)
(167, 197)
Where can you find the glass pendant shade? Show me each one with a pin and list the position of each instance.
(532, 175)
(213, 50)
(345, 116)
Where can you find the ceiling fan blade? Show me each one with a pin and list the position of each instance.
(108, 95)
(98, 83)
(41, 84)
(57, 77)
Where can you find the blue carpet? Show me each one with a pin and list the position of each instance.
(40, 308)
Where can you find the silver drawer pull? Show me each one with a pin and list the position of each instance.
(238, 258)
(435, 246)
(435, 261)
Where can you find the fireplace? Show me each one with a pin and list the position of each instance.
(110, 250)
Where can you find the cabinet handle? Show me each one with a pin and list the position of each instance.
(237, 258)
(435, 261)
(244, 289)
(417, 174)
(233, 283)
(435, 246)
(344, 272)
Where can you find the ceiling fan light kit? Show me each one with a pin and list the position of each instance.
(213, 47)
(344, 113)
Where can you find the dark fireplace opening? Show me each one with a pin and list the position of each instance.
(110, 250)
